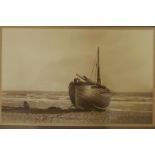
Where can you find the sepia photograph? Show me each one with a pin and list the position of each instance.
(77, 76)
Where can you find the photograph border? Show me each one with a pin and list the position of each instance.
(67, 126)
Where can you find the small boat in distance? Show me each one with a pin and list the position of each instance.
(86, 94)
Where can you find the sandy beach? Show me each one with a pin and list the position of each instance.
(54, 108)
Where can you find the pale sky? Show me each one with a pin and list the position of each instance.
(48, 59)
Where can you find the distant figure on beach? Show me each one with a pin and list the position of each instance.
(26, 105)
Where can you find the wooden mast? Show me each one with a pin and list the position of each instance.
(98, 67)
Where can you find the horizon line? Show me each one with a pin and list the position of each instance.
(67, 91)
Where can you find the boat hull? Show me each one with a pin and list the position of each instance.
(86, 96)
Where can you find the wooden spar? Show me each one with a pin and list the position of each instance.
(85, 79)
(80, 77)
(98, 67)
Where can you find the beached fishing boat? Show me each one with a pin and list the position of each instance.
(87, 94)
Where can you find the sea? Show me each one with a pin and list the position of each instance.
(125, 108)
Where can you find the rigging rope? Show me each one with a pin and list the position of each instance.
(94, 66)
